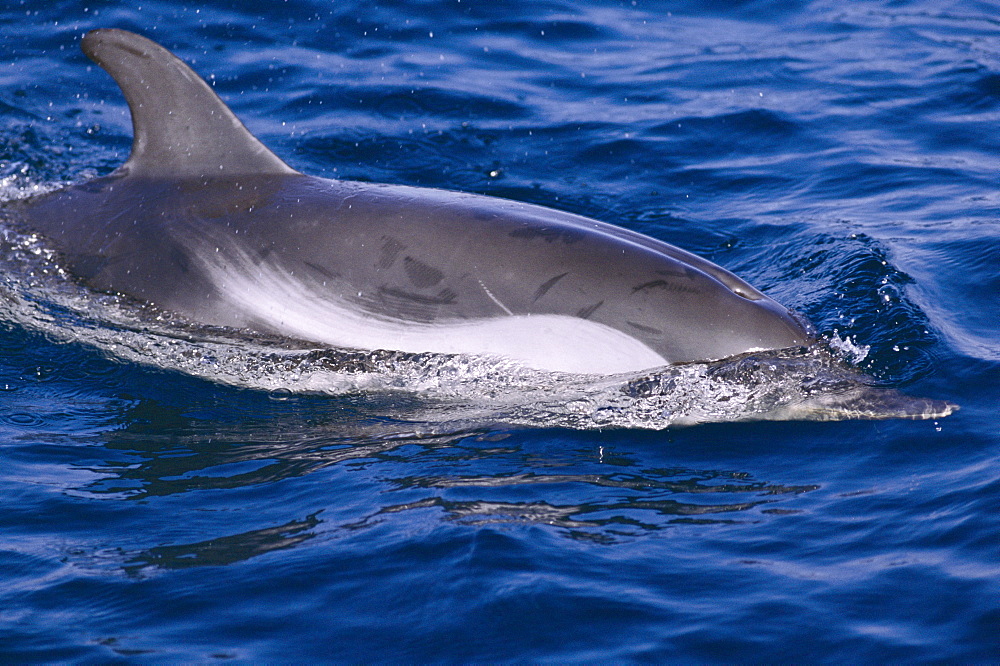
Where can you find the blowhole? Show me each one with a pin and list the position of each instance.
(750, 295)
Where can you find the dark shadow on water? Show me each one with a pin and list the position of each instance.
(224, 550)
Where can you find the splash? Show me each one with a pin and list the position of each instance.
(849, 349)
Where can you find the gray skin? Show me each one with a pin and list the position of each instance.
(197, 181)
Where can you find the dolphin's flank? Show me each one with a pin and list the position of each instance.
(204, 221)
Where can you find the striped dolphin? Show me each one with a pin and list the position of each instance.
(204, 221)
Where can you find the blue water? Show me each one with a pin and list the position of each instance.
(842, 157)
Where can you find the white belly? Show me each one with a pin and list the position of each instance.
(271, 297)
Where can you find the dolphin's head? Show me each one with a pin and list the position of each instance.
(697, 311)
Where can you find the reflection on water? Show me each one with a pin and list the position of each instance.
(653, 500)
(172, 453)
(225, 550)
(470, 478)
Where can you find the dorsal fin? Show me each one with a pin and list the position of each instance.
(181, 129)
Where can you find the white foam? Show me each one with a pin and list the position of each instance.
(851, 350)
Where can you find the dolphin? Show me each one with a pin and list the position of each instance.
(203, 221)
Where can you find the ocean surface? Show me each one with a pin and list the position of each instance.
(179, 498)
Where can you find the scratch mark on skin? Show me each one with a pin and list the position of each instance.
(495, 299)
(420, 274)
(585, 313)
(644, 329)
(548, 284)
(665, 286)
(391, 249)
